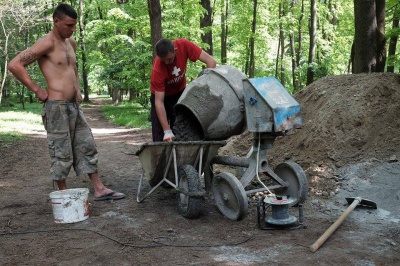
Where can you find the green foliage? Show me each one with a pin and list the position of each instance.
(127, 114)
(118, 41)
(16, 123)
(119, 50)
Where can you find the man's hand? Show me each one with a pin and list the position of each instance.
(168, 135)
(42, 95)
(79, 98)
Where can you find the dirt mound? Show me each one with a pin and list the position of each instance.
(346, 119)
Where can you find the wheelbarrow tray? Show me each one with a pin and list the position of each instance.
(156, 157)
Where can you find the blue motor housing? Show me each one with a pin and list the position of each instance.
(269, 106)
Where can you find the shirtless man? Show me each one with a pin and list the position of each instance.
(69, 137)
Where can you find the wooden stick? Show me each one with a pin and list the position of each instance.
(334, 226)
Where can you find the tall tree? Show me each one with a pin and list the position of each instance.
(393, 41)
(154, 8)
(369, 37)
(297, 84)
(205, 25)
(6, 34)
(282, 11)
(313, 32)
(279, 54)
(292, 54)
(224, 30)
(82, 23)
(253, 32)
(16, 19)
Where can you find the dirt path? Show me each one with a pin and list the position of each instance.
(153, 233)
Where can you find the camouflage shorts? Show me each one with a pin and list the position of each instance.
(69, 138)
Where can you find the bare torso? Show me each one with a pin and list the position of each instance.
(55, 54)
(59, 68)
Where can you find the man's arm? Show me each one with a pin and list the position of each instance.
(17, 66)
(160, 109)
(207, 59)
(77, 86)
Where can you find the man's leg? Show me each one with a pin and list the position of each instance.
(61, 184)
(102, 192)
(85, 157)
(156, 128)
(55, 121)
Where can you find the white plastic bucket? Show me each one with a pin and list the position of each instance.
(70, 205)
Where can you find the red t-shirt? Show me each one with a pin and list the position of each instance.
(171, 78)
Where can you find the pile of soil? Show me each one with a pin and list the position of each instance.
(347, 119)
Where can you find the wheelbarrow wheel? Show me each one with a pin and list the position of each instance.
(189, 206)
(230, 196)
(294, 175)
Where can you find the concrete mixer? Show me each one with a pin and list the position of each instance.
(220, 103)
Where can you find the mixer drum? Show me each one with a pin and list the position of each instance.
(214, 101)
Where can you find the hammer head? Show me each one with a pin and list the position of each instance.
(362, 202)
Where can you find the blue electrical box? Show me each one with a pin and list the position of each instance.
(269, 106)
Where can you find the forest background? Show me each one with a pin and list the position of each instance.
(297, 41)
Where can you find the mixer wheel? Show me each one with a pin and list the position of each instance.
(230, 196)
(189, 206)
(294, 175)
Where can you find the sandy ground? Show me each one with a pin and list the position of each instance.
(348, 147)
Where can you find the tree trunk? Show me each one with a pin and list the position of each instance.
(82, 25)
(279, 53)
(253, 32)
(5, 61)
(154, 8)
(116, 96)
(300, 44)
(313, 30)
(293, 51)
(380, 38)
(282, 42)
(369, 39)
(277, 58)
(206, 22)
(294, 66)
(224, 31)
(393, 43)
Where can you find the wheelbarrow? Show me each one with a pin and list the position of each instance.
(181, 165)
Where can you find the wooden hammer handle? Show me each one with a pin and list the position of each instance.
(334, 226)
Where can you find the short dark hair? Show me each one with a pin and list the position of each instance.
(63, 10)
(163, 47)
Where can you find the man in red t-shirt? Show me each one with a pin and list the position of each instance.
(168, 81)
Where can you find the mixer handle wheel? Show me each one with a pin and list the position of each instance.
(297, 181)
(230, 196)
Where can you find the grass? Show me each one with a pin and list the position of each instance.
(16, 123)
(127, 114)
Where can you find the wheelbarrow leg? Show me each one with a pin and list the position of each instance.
(171, 158)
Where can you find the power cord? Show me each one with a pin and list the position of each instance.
(155, 240)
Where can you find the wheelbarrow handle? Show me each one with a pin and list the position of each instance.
(334, 226)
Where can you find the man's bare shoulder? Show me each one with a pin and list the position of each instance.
(43, 46)
(72, 42)
(40, 48)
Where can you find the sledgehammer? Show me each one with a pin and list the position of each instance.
(353, 203)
